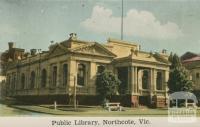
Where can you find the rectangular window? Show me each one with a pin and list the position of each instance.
(159, 81)
(197, 75)
(14, 81)
(145, 79)
(54, 76)
(81, 75)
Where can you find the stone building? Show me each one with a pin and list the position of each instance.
(51, 75)
(192, 62)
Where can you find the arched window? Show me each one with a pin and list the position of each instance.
(159, 81)
(22, 81)
(32, 84)
(65, 72)
(43, 78)
(145, 78)
(81, 74)
(54, 80)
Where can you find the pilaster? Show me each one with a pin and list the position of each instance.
(136, 80)
(131, 85)
(72, 72)
(92, 74)
(59, 74)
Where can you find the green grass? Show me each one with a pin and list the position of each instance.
(94, 111)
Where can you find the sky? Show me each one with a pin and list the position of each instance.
(173, 25)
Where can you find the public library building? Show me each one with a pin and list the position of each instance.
(45, 76)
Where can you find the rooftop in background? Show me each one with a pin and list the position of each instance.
(191, 60)
(190, 57)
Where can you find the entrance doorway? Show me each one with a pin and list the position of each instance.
(123, 77)
(144, 100)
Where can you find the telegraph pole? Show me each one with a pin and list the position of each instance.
(122, 20)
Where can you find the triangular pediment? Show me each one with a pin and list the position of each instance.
(57, 50)
(94, 49)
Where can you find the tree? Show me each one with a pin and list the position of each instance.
(178, 76)
(107, 84)
(175, 61)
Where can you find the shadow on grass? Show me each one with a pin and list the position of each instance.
(51, 109)
(80, 108)
(30, 110)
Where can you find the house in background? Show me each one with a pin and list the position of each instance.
(192, 62)
(46, 76)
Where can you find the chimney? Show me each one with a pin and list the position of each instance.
(164, 51)
(73, 36)
(33, 51)
(51, 42)
(10, 45)
(139, 47)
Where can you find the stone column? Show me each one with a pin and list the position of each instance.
(92, 77)
(152, 80)
(37, 77)
(155, 80)
(131, 86)
(136, 79)
(48, 81)
(152, 86)
(59, 74)
(18, 84)
(27, 79)
(72, 78)
(166, 78)
(72, 72)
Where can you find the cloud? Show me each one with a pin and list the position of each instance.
(136, 23)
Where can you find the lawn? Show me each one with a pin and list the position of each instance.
(94, 111)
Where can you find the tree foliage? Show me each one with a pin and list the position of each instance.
(175, 61)
(107, 84)
(179, 76)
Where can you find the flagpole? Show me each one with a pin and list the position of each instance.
(122, 20)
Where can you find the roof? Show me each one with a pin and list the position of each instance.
(151, 58)
(19, 49)
(94, 44)
(121, 42)
(183, 95)
(193, 59)
(188, 55)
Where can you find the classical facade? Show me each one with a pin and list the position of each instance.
(192, 62)
(73, 62)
